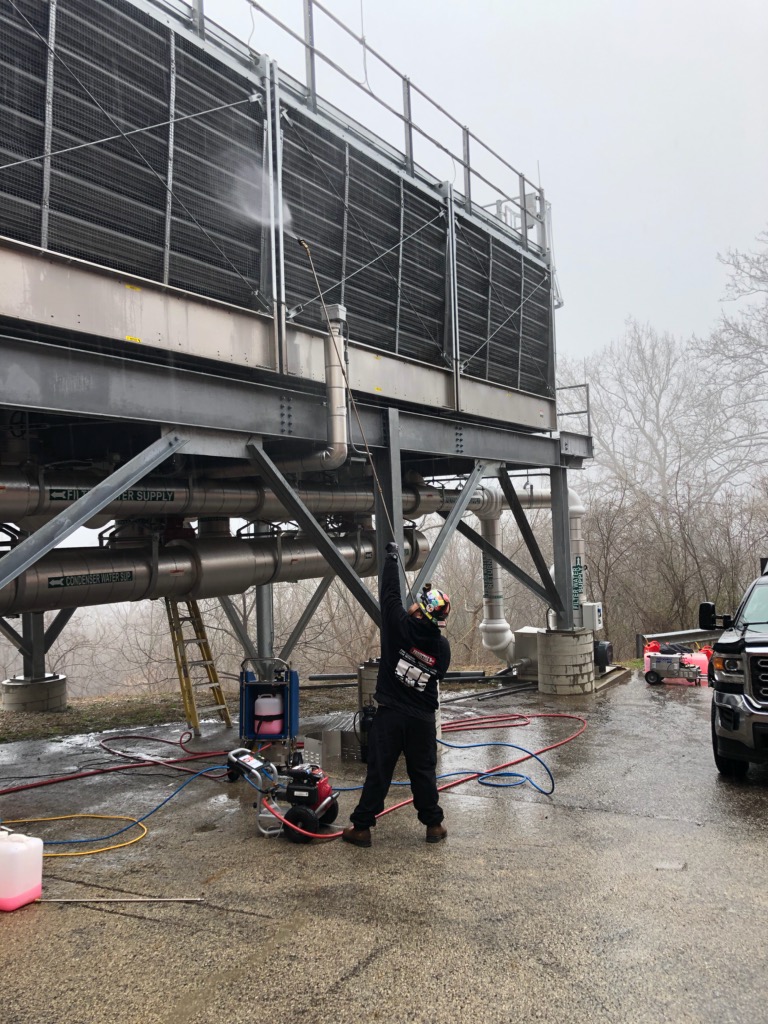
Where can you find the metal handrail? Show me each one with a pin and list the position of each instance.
(307, 40)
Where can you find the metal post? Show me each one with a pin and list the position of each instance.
(45, 204)
(33, 629)
(561, 538)
(198, 17)
(389, 473)
(541, 228)
(169, 172)
(270, 181)
(305, 616)
(309, 54)
(283, 361)
(523, 210)
(400, 248)
(489, 297)
(345, 226)
(452, 520)
(452, 300)
(265, 613)
(520, 326)
(408, 125)
(71, 518)
(467, 171)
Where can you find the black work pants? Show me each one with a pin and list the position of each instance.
(392, 734)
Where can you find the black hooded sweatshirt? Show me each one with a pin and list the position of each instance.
(414, 654)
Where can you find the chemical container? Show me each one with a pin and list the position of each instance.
(21, 869)
(268, 714)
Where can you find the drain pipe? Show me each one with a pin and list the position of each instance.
(335, 454)
(498, 636)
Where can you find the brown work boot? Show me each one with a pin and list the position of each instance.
(435, 833)
(357, 836)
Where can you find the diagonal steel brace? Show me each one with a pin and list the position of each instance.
(290, 499)
(531, 543)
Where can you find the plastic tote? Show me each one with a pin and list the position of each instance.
(21, 869)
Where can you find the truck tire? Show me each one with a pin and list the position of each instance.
(653, 678)
(729, 767)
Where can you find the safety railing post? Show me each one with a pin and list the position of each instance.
(309, 54)
(408, 124)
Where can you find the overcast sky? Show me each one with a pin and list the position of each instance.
(645, 121)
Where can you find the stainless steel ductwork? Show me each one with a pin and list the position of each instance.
(30, 497)
(207, 567)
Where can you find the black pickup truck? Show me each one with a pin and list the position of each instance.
(738, 675)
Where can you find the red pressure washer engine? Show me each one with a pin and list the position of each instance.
(306, 787)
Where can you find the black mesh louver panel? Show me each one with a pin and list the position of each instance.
(218, 175)
(379, 239)
(22, 117)
(354, 213)
(504, 313)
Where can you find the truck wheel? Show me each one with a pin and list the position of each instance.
(729, 767)
(653, 678)
(303, 818)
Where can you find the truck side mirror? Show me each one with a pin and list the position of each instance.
(727, 621)
(707, 616)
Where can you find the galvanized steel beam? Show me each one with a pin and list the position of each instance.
(48, 378)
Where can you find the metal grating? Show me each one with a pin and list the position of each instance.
(379, 239)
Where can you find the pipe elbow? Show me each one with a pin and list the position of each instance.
(499, 639)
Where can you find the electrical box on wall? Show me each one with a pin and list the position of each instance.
(592, 615)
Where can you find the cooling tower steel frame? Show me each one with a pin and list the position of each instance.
(138, 303)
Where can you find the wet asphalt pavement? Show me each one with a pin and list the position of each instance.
(631, 894)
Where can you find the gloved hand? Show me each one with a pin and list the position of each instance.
(391, 550)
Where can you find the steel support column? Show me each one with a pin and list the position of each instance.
(561, 538)
(79, 512)
(389, 500)
(452, 520)
(291, 501)
(265, 613)
(305, 616)
(33, 629)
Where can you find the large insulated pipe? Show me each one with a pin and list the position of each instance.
(207, 567)
(498, 636)
(32, 496)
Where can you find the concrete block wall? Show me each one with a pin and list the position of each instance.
(566, 661)
(49, 694)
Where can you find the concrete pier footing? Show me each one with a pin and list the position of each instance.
(566, 661)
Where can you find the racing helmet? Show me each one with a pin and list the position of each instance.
(435, 604)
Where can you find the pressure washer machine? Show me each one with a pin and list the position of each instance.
(306, 789)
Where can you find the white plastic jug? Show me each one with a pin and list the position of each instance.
(268, 714)
(21, 869)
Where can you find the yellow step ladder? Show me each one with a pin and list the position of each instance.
(183, 614)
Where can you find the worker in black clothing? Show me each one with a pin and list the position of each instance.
(414, 658)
